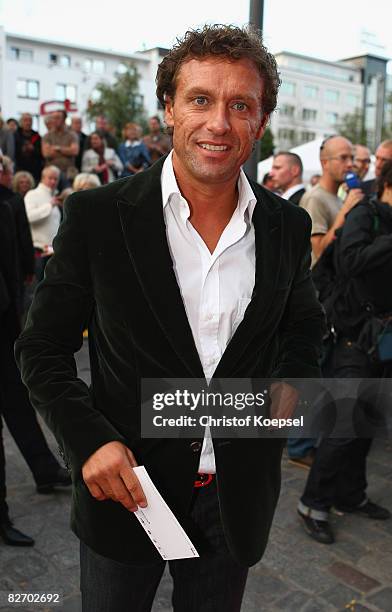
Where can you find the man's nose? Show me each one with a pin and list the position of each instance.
(218, 120)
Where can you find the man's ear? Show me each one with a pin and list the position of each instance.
(169, 103)
(262, 127)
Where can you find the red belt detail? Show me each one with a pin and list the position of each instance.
(203, 480)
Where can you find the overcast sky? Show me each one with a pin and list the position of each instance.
(329, 29)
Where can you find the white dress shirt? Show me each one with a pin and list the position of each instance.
(216, 287)
(291, 191)
(44, 218)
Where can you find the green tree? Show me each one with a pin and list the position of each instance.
(120, 102)
(267, 144)
(351, 126)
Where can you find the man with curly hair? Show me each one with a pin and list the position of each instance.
(185, 270)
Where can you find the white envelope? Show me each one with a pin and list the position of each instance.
(160, 524)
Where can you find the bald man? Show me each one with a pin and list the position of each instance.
(383, 154)
(361, 160)
(325, 208)
(286, 173)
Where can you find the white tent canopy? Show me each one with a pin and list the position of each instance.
(309, 154)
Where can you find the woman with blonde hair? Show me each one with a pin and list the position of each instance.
(85, 180)
(22, 182)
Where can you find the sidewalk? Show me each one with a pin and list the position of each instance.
(296, 573)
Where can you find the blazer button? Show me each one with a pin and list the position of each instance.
(195, 446)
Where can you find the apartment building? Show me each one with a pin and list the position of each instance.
(314, 96)
(35, 70)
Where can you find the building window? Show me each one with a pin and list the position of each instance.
(308, 136)
(60, 60)
(87, 65)
(23, 55)
(331, 95)
(353, 100)
(65, 92)
(287, 88)
(286, 110)
(310, 91)
(65, 61)
(98, 66)
(309, 114)
(27, 89)
(332, 118)
(287, 135)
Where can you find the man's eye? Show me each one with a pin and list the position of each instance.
(201, 101)
(240, 106)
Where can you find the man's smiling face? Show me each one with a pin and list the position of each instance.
(217, 116)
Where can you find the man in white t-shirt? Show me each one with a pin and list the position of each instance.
(43, 213)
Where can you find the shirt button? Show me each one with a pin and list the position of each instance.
(195, 446)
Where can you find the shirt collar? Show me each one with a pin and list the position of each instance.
(246, 197)
(291, 191)
(43, 187)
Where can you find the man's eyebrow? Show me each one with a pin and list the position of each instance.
(204, 91)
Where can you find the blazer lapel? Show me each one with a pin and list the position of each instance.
(142, 221)
(267, 221)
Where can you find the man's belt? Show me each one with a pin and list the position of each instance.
(203, 480)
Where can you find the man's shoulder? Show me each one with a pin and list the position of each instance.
(274, 203)
(104, 194)
(32, 194)
(318, 197)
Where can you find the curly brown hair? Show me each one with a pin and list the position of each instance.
(227, 41)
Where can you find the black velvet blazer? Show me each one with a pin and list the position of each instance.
(112, 271)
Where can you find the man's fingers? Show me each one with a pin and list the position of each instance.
(131, 457)
(108, 474)
(134, 487)
(122, 495)
(96, 491)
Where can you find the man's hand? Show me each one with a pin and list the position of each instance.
(321, 241)
(284, 400)
(108, 474)
(354, 196)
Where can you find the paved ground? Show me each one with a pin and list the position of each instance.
(296, 574)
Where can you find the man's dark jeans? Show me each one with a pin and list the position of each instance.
(212, 583)
(338, 474)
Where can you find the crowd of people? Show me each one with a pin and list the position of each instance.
(351, 261)
(37, 174)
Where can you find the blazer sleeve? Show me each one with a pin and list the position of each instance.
(303, 324)
(54, 332)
